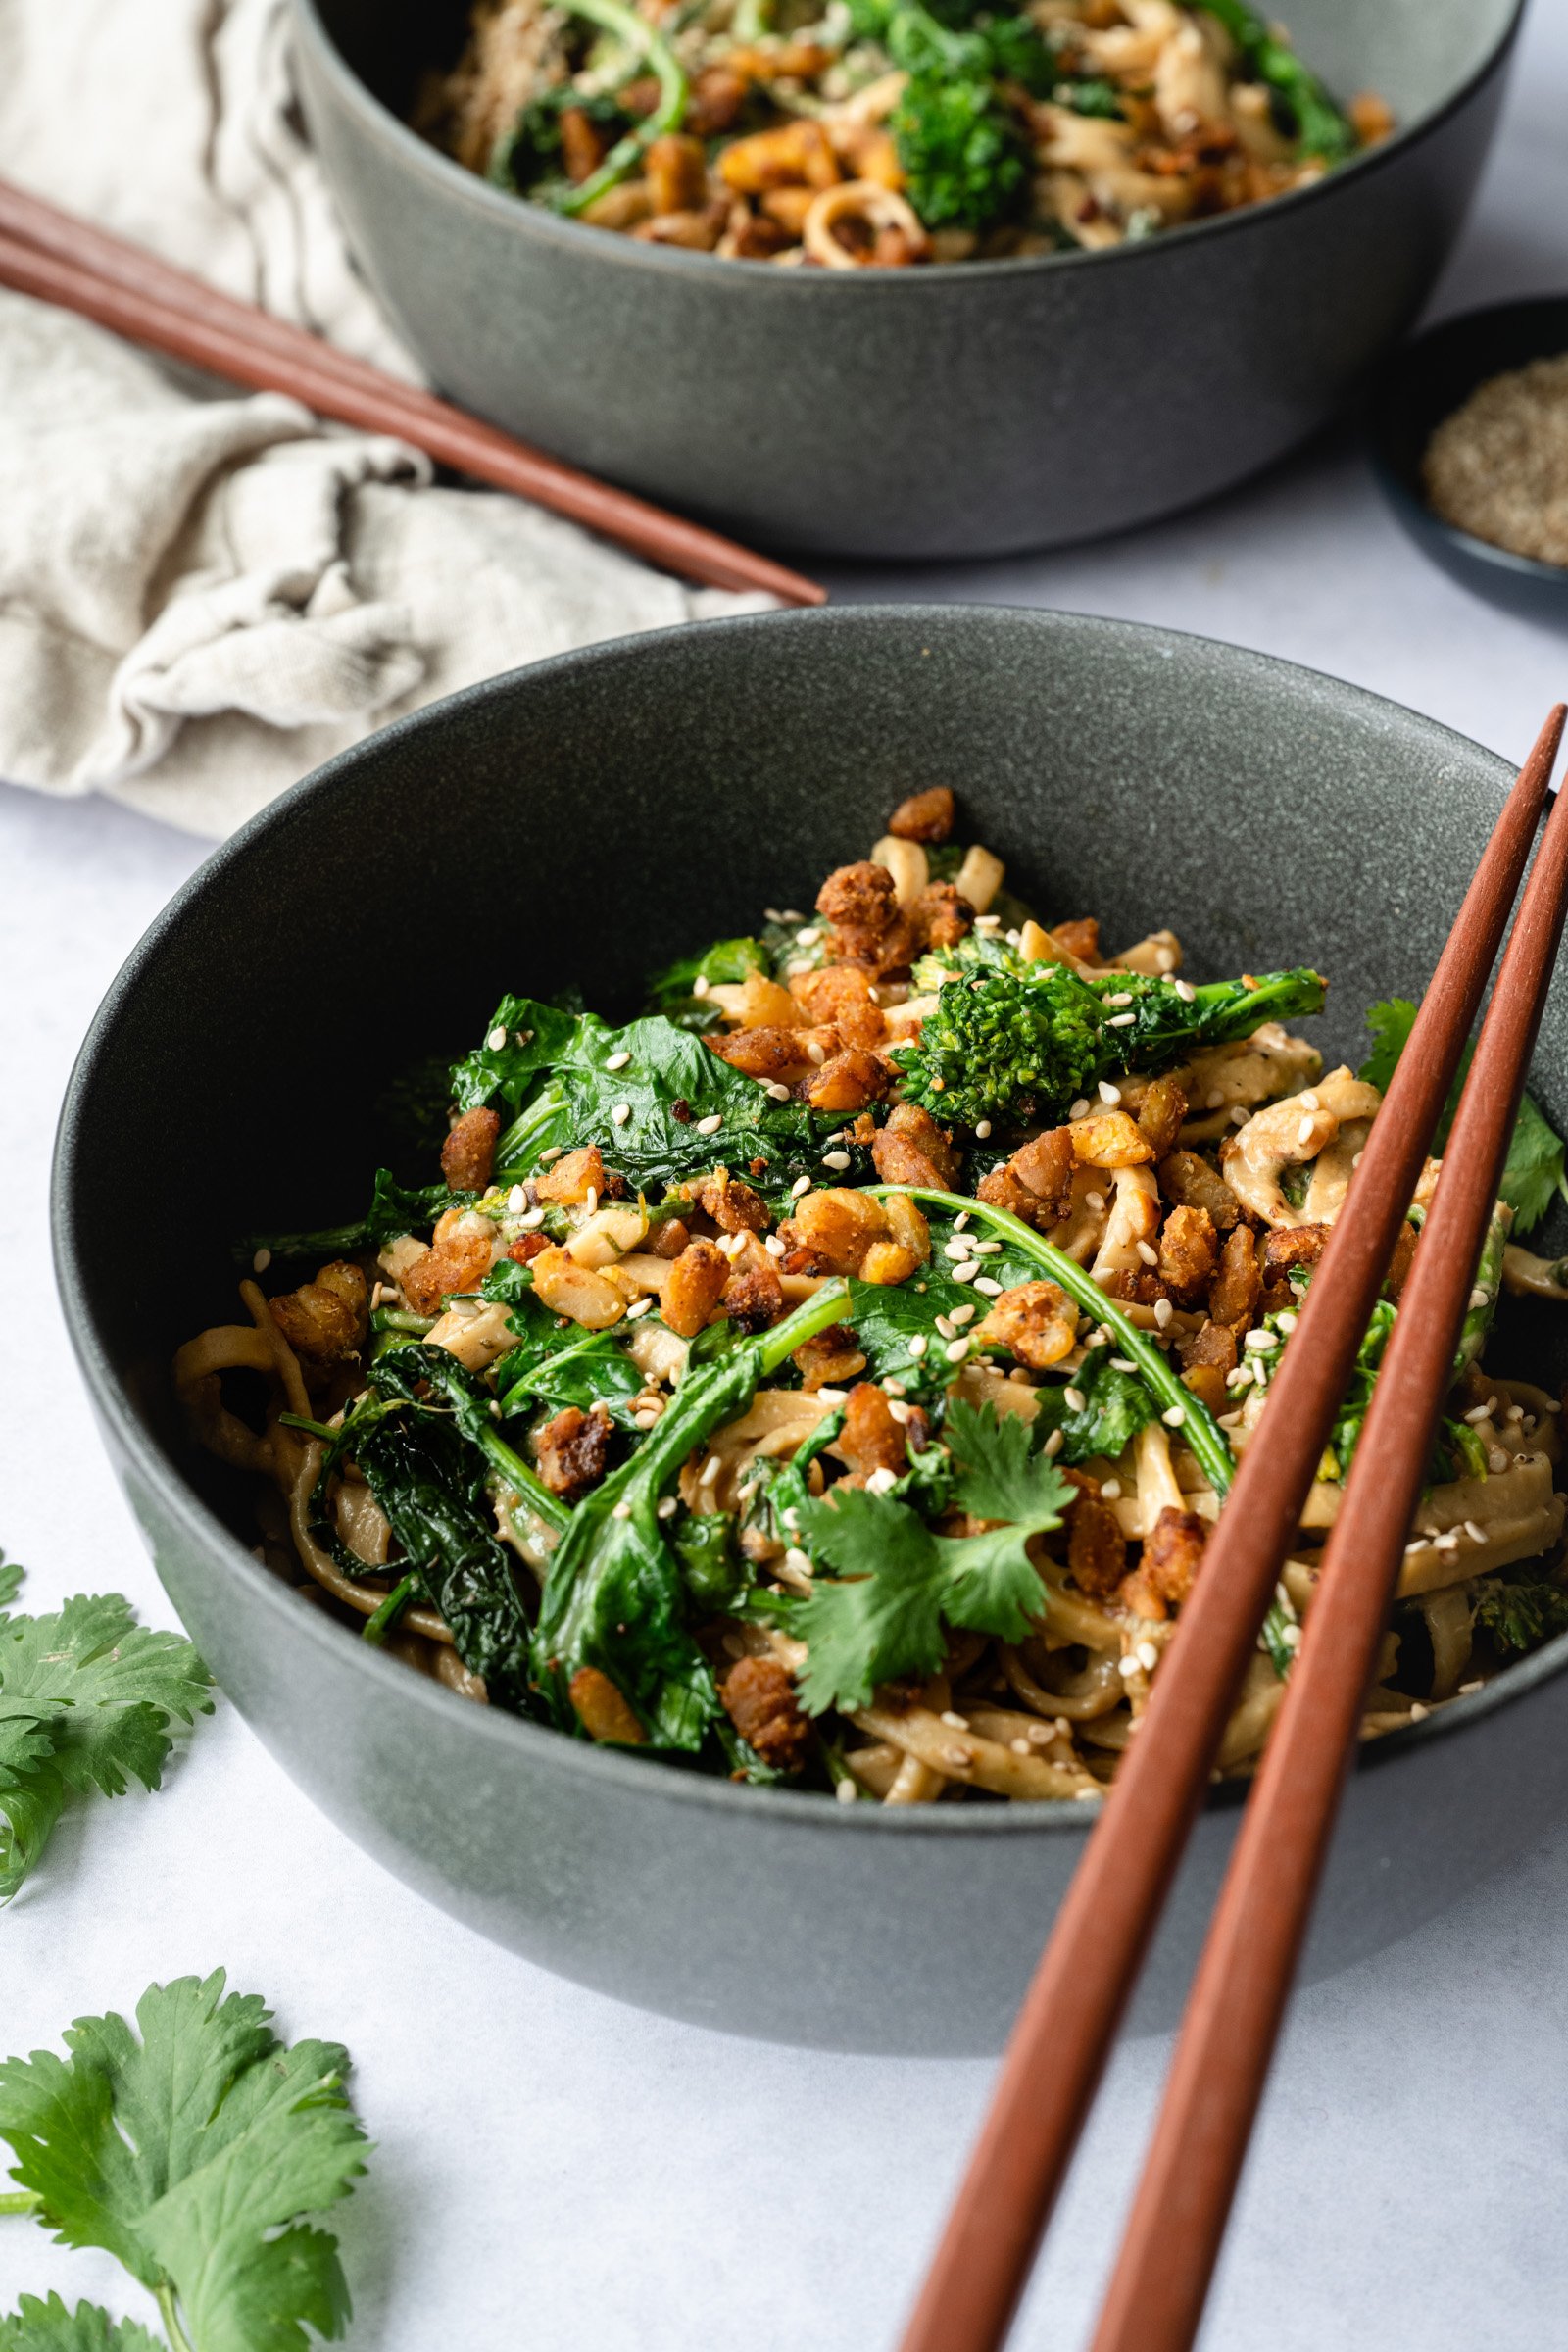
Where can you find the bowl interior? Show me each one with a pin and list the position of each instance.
(1416, 54)
(592, 816)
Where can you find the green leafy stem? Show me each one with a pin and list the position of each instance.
(641, 38)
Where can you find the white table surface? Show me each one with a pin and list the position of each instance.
(560, 2174)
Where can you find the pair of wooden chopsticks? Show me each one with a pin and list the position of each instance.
(1070, 2014)
(61, 259)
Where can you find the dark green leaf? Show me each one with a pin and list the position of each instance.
(36, 2327)
(1116, 1406)
(1533, 1177)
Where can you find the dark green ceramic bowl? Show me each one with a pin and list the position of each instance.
(915, 412)
(590, 817)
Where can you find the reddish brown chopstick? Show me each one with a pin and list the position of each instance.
(60, 259)
(1156, 2296)
(1072, 2008)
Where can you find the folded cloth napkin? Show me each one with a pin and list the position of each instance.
(201, 596)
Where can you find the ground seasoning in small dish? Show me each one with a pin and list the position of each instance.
(1497, 467)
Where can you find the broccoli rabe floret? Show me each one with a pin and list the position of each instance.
(1013, 1042)
(1519, 1616)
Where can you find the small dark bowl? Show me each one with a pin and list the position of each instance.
(1415, 391)
(961, 411)
(589, 817)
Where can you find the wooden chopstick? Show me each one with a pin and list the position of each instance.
(1070, 2013)
(60, 259)
(1155, 2299)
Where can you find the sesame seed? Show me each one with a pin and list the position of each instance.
(958, 1758)
(918, 1344)
(1214, 1098)
(881, 1482)
(1127, 1668)
(958, 1249)
(899, 1410)
(1448, 1540)
(960, 1220)
(621, 1510)
(1479, 1297)
(532, 1219)
(1013, 938)
(1111, 1489)
(773, 1246)
(617, 1062)
(590, 1200)
(992, 1288)
(833, 1396)
(709, 1474)
(836, 1159)
(495, 1408)
(552, 1152)
(1052, 1444)
(1165, 958)
(638, 1307)
(893, 1387)
(1092, 1797)
(1147, 1656)
(1356, 1158)
(987, 922)
(962, 1314)
(956, 1350)
(700, 985)
(1122, 996)
(1080, 1110)
(808, 937)
(1148, 1253)
(845, 1792)
(1073, 1399)
(1185, 990)
(621, 1113)
(816, 1053)
(801, 963)
(261, 1261)
(778, 1091)
(1477, 1534)
(1291, 1637)
(1240, 1115)
(1304, 1132)
(1096, 1201)
(496, 1040)
(945, 1326)
(1230, 1420)
(955, 1723)
(800, 1188)
(1259, 1338)
(712, 1124)
(792, 914)
(985, 1249)
(1418, 1713)
(968, 1272)
(518, 1199)
(1121, 1020)
(771, 914)
(1107, 1092)
(1496, 1461)
(1122, 1363)
(668, 1508)
(1019, 1747)
(1468, 1690)
(982, 1128)
(1175, 1418)
(1163, 1311)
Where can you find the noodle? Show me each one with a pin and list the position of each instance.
(437, 1413)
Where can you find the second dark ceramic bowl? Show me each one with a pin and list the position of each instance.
(948, 412)
(1427, 382)
(590, 817)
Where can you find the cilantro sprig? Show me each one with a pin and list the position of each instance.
(897, 1584)
(191, 2154)
(88, 1698)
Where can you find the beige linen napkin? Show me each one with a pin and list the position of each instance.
(204, 595)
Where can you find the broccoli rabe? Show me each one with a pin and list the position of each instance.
(1016, 1042)
(1321, 129)
(1519, 1616)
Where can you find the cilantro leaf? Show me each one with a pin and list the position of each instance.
(190, 2156)
(36, 2327)
(1534, 1175)
(898, 1581)
(10, 1583)
(886, 1621)
(1115, 1407)
(100, 1693)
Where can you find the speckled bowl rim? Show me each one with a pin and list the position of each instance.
(1386, 400)
(512, 1734)
(888, 284)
